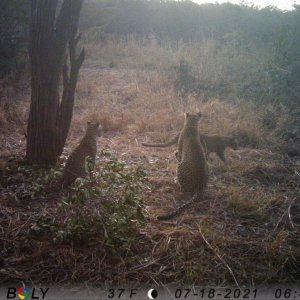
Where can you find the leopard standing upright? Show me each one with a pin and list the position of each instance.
(192, 169)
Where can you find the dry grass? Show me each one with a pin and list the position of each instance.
(145, 102)
(132, 53)
(246, 231)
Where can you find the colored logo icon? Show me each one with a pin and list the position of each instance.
(23, 293)
(152, 294)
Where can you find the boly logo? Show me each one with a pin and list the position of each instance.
(24, 293)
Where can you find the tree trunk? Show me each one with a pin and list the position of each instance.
(50, 117)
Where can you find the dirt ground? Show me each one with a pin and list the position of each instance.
(246, 231)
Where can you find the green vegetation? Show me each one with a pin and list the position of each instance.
(256, 50)
(114, 191)
(146, 63)
(14, 18)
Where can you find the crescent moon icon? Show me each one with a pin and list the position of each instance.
(152, 294)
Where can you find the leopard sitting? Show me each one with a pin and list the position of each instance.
(76, 165)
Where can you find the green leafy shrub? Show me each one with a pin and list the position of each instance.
(14, 20)
(104, 207)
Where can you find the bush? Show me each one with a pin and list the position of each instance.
(104, 207)
(14, 16)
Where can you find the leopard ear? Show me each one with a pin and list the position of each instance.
(186, 115)
(88, 122)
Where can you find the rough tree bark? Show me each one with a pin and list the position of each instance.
(50, 113)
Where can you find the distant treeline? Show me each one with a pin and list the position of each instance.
(268, 32)
(186, 20)
(271, 35)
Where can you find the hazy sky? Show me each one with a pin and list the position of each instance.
(282, 4)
